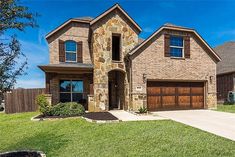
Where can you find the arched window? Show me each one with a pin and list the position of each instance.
(70, 51)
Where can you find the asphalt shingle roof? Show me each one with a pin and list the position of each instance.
(227, 54)
(85, 18)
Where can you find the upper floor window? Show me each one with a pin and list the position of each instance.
(70, 51)
(116, 55)
(176, 46)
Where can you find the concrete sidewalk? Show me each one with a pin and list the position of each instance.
(218, 123)
(127, 116)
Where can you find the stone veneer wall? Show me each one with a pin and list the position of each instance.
(151, 61)
(73, 31)
(114, 22)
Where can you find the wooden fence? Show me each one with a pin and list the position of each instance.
(22, 100)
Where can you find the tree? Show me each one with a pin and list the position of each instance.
(13, 16)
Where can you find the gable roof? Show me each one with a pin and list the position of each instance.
(177, 28)
(227, 53)
(79, 19)
(91, 20)
(116, 6)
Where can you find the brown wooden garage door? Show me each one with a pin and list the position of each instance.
(175, 95)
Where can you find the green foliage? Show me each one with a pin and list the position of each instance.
(226, 108)
(68, 109)
(61, 109)
(143, 110)
(15, 16)
(12, 60)
(44, 106)
(228, 103)
(77, 137)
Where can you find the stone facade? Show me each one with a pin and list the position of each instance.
(74, 31)
(150, 60)
(102, 32)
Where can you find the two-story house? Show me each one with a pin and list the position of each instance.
(102, 64)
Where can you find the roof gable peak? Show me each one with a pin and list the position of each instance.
(116, 6)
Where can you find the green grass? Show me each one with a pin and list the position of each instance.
(226, 108)
(76, 137)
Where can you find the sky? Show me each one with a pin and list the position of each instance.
(213, 20)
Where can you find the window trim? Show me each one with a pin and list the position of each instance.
(69, 61)
(183, 54)
(71, 92)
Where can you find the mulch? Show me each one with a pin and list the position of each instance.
(100, 116)
(51, 117)
(89, 115)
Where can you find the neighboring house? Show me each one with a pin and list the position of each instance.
(103, 64)
(225, 70)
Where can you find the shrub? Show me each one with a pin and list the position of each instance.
(68, 109)
(43, 104)
(143, 110)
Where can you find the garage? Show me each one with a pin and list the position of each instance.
(174, 95)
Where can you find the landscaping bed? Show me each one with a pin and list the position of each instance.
(23, 153)
(52, 117)
(100, 116)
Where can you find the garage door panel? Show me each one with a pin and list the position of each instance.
(154, 102)
(168, 101)
(197, 102)
(184, 90)
(154, 90)
(184, 101)
(175, 95)
(168, 90)
(197, 90)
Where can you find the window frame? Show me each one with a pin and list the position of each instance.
(183, 54)
(120, 47)
(71, 91)
(70, 51)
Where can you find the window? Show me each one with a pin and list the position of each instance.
(116, 47)
(70, 51)
(176, 46)
(71, 90)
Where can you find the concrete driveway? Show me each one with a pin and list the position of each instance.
(218, 123)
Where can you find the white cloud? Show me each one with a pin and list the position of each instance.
(148, 30)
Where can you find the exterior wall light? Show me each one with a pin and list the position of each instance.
(211, 79)
(144, 77)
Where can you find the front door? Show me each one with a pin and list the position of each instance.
(113, 97)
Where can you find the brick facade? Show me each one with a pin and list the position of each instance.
(150, 60)
(73, 31)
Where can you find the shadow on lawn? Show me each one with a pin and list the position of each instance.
(46, 142)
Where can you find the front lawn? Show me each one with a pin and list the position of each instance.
(76, 137)
(226, 108)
